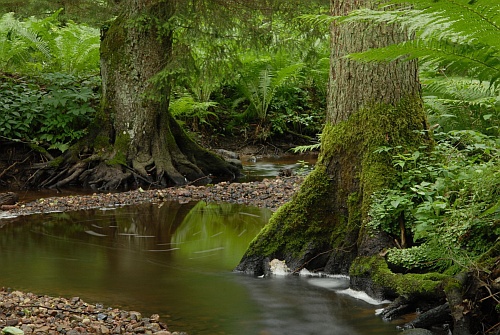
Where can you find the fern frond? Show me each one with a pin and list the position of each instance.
(22, 37)
(453, 34)
(77, 49)
(480, 61)
(462, 103)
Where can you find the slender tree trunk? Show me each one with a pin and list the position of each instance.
(369, 105)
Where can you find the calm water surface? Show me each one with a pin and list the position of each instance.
(175, 260)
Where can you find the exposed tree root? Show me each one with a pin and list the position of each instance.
(100, 171)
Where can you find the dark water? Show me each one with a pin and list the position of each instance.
(175, 260)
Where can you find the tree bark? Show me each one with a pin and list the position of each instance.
(134, 134)
(369, 105)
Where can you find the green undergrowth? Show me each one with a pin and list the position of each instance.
(50, 110)
(447, 199)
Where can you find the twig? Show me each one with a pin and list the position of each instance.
(11, 166)
(303, 265)
(490, 329)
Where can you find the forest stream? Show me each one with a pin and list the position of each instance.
(176, 260)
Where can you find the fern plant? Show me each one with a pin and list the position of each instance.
(76, 49)
(458, 36)
(45, 45)
(20, 45)
(186, 109)
(261, 80)
(460, 103)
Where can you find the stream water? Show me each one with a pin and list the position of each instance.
(176, 260)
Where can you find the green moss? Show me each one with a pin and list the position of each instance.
(56, 162)
(451, 284)
(376, 269)
(297, 222)
(101, 142)
(120, 149)
(368, 129)
(353, 202)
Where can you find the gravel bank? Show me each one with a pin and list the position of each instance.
(269, 193)
(34, 314)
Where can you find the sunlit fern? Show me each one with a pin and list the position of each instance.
(458, 35)
(44, 45)
(19, 44)
(462, 103)
(77, 49)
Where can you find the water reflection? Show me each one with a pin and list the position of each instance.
(175, 260)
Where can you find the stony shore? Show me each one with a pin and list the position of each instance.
(268, 193)
(34, 314)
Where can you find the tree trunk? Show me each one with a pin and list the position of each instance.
(369, 105)
(134, 138)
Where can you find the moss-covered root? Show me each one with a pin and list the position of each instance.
(454, 288)
(299, 232)
(372, 275)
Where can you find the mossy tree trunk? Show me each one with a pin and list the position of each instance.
(134, 138)
(369, 105)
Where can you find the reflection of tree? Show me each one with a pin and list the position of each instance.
(221, 230)
(52, 253)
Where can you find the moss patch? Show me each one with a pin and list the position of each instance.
(376, 269)
(368, 129)
(120, 149)
(297, 222)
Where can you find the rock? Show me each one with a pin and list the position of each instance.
(8, 198)
(286, 172)
(226, 154)
(251, 159)
(8, 207)
(12, 322)
(235, 162)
